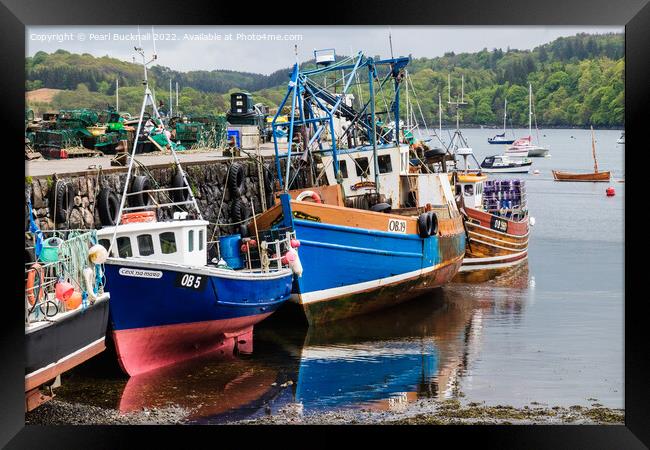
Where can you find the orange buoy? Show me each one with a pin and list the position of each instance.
(36, 269)
(73, 301)
(145, 216)
(610, 191)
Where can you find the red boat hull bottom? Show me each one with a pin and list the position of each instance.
(140, 350)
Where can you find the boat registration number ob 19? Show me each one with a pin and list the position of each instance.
(499, 224)
(397, 226)
(191, 281)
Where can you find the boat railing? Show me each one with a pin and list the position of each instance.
(268, 255)
(156, 204)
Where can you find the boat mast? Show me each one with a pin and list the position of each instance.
(117, 94)
(530, 109)
(439, 115)
(593, 149)
(171, 103)
(505, 109)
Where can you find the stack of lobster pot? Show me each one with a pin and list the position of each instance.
(503, 196)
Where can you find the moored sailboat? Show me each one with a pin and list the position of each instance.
(524, 146)
(501, 138)
(593, 177)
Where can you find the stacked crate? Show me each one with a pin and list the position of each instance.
(504, 197)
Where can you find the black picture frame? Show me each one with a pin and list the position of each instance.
(633, 14)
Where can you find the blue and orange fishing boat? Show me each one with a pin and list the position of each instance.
(170, 304)
(368, 240)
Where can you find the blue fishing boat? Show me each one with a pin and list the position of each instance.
(169, 303)
(369, 238)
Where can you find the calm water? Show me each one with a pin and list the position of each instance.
(551, 333)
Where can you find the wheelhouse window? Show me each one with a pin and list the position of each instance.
(384, 164)
(469, 189)
(200, 239)
(124, 247)
(145, 245)
(167, 242)
(343, 167)
(105, 243)
(190, 241)
(362, 167)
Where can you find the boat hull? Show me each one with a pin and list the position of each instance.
(63, 344)
(538, 152)
(496, 245)
(156, 321)
(351, 266)
(593, 177)
(515, 169)
(503, 142)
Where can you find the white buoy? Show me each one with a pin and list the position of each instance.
(536, 171)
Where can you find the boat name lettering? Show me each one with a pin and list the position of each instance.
(140, 273)
(305, 216)
(190, 281)
(397, 226)
(363, 184)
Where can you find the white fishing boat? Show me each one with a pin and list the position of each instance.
(505, 164)
(524, 147)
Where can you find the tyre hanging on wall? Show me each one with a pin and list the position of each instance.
(63, 201)
(236, 180)
(108, 206)
(139, 184)
(269, 186)
(180, 195)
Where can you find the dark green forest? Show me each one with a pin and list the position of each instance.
(577, 81)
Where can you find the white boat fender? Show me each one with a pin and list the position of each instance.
(293, 260)
(89, 279)
(98, 254)
(532, 221)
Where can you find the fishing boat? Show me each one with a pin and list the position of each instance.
(66, 307)
(524, 147)
(369, 238)
(171, 304)
(501, 138)
(595, 176)
(505, 164)
(621, 140)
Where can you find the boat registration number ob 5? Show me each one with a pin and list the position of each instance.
(191, 281)
(397, 226)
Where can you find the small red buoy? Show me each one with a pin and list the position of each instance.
(295, 243)
(610, 191)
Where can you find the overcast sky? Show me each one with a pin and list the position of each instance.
(266, 49)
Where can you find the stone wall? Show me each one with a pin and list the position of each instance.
(207, 179)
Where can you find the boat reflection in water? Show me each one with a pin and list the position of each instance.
(421, 349)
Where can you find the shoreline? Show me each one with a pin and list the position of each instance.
(420, 412)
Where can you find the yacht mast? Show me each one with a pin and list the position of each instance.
(530, 109)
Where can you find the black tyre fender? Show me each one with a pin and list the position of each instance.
(63, 200)
(243, 228)
(139, 184)
(108, 206)
(434, 223)
(236, 180)
(180, 195)
(424, 225)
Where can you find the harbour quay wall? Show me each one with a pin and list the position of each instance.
(209, 181)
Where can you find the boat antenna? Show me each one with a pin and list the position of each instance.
(390, 41)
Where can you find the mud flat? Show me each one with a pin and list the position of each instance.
(451, 412)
